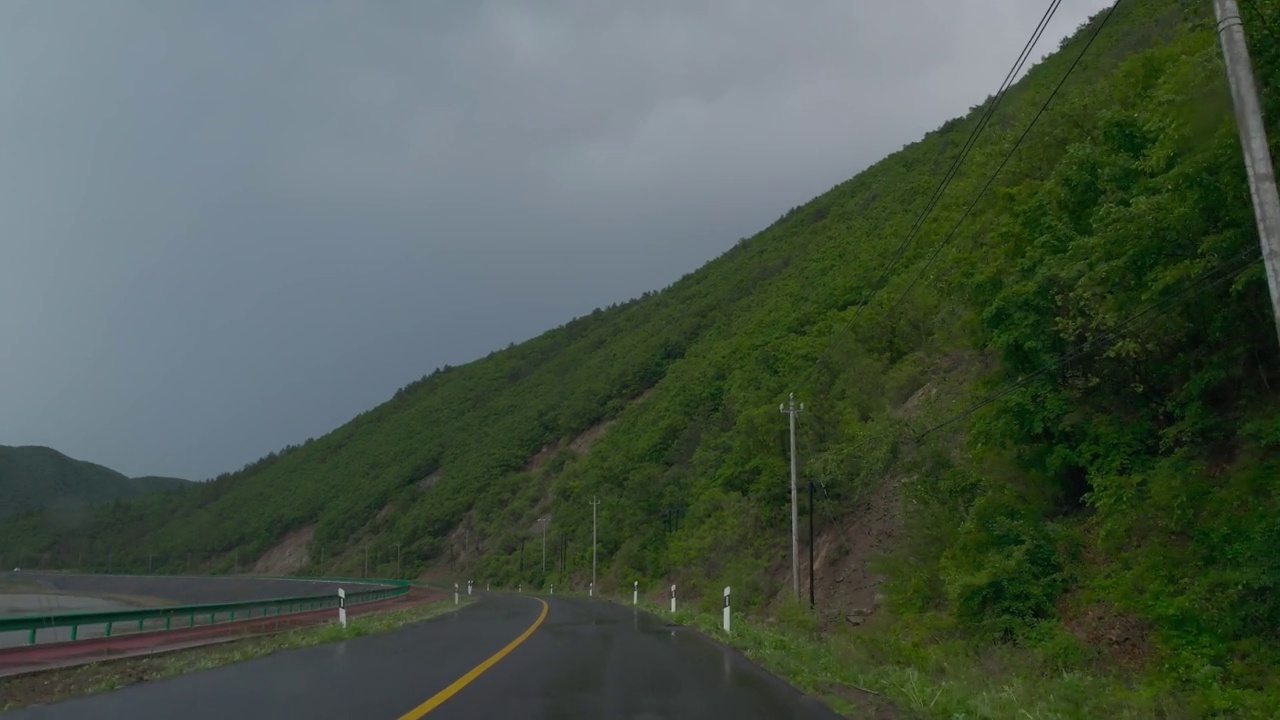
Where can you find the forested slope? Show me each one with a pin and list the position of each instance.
(1072, 393)
(34, 477)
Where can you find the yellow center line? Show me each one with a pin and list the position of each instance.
(436, 700)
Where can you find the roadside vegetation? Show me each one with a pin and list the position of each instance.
(896, 670)
(53, 685)
(1070, 396)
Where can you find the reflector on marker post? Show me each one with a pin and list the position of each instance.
(726, 609)
(455, 593)
(342, 607)
(635, 591)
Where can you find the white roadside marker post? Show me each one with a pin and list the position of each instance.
(455, 593)
(342, 607)
(635, 591)
(591, 590)
(726, 609)
(468, 587)
(553, 588)
(673, 599)
(520, 588)
(486, 587)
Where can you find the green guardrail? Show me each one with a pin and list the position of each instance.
(180, 616)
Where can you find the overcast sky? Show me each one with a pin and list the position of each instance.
(228, 225)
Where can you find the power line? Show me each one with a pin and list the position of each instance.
(978, 128)
(1205, 283)
(844, 540)
(1200, 286)
(1008, 156)
(949, 176)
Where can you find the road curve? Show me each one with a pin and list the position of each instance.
(184, 589)
(579, 659)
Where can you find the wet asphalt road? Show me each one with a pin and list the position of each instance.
(587, 659)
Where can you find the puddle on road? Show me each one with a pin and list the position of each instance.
(611, 657)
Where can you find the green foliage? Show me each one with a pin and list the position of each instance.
(1003, 572)
(34, 477)
(1075, 398)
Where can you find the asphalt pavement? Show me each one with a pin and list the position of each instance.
(578, 659)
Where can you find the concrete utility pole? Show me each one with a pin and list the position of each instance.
(544, 520)
(594, 504)
(792, 410)
(398, 560)
(1253, 140)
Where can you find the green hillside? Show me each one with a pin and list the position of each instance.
(33, 477)
(1049, 424)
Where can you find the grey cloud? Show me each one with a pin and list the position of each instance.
(229, 226)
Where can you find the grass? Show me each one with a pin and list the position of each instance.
(883, 673)
(53, 685)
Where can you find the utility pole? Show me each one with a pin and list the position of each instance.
(811, 603)
(397, 561)
(1253, 140)
(594, 504)
(792, 410)
(544, 520)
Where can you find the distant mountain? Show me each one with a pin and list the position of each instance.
(33, 477)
